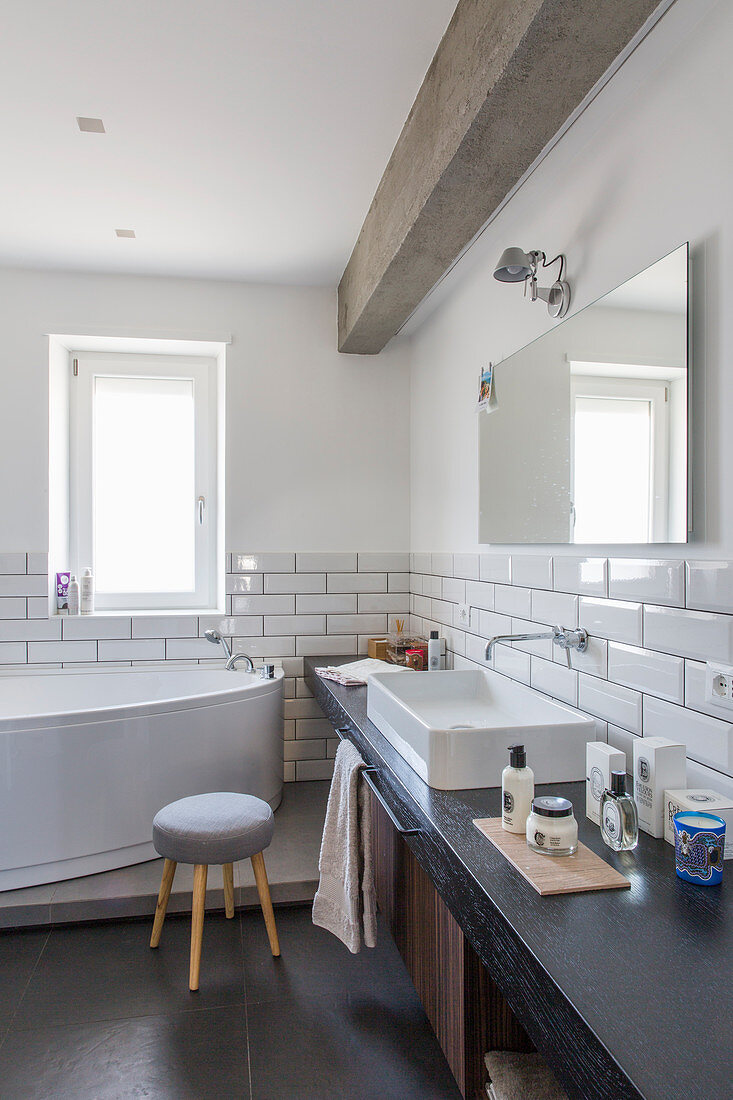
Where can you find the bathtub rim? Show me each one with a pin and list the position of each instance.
(95, 712)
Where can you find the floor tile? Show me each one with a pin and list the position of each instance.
(182, 1056)
(312, 961)
(108, 971)
(19, 954)
(357, 1047)
(292, 858)
(102, 1017)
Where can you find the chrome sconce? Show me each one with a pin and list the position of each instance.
(517, 266)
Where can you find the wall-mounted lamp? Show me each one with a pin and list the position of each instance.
(517, 266)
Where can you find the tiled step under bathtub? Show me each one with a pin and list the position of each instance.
(292, 868)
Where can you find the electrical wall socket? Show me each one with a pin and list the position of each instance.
(463, 612)
(719, 684)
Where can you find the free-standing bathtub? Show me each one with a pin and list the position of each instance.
(87, 758)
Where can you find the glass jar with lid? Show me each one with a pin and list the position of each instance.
(551, 827)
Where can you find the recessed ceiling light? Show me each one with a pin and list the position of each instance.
(90, 125)
(125, 232)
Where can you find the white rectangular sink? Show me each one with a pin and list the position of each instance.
(453, 728)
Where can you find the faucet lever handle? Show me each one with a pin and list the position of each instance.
(561, 638)
(571, 639)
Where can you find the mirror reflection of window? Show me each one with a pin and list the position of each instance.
(620, 457)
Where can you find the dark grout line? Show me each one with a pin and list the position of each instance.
(246, 1004)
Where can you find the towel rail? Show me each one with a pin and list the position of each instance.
(369, 770)
(367, 773)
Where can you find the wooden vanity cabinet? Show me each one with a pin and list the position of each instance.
(466, 1009)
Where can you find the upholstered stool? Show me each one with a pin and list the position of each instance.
(213, 828)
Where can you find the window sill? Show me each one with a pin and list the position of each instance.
(130, 613)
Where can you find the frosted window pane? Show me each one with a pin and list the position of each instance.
(612, 480)
(144, 510)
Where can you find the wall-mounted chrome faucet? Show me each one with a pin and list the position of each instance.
(560, 635)
(215, 638)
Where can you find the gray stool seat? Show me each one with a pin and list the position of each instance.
(222, 827)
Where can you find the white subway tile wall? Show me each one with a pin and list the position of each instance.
(280, 607)
(585, 576)
(532, 570)
(652, 581)
(652, 624)
(495, 567)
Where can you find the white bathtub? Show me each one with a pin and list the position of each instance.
(87, 758)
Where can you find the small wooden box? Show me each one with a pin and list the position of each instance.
(378, 648)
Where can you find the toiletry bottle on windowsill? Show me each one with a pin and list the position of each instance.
(73, 595)
(517, 791)
(86, 597)
(619, 819)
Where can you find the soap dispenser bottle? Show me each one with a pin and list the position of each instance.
(517, 791)
(619, 818)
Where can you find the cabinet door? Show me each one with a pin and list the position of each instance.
(427, 937)
(466, 1009)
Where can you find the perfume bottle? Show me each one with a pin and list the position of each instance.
(619, 819)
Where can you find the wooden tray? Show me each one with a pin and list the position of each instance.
(553, 874)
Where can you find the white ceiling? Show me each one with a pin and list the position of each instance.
(245, 138)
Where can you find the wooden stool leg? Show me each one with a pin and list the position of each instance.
(263, 889)
(197, 922)
(228, 870)
(169, 870)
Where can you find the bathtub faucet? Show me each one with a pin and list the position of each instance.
(232, 662)
(215, 638)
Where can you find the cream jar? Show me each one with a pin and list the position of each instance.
(551, 828)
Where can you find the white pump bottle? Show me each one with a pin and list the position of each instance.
(517, 791)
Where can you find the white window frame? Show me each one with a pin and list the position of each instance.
(202, 371)
(635, 389)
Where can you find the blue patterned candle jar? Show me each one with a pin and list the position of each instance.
(699, 843)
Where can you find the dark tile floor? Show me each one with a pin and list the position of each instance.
(91, 1013)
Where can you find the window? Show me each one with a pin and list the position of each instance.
(143, 485)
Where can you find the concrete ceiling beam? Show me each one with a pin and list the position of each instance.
(505, 78)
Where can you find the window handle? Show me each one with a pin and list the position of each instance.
(201, 505)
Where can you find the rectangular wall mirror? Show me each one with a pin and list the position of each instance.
(586, 440)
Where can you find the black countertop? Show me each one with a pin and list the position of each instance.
(627, 993)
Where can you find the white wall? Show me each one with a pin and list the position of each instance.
(647, 167)
(317, 442)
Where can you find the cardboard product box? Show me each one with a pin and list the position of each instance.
(600, 760)
(659, 765)
(707, 802)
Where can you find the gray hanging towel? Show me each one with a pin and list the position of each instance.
(345, 902)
